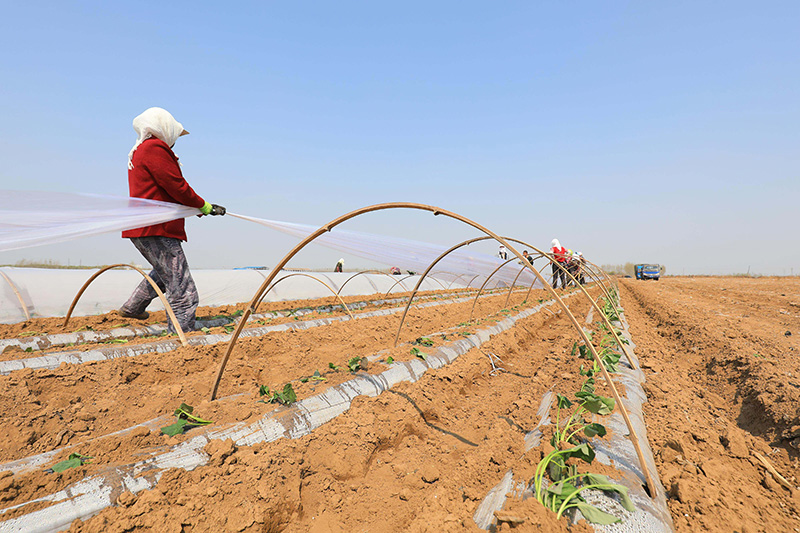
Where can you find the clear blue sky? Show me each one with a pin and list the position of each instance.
(633, 131)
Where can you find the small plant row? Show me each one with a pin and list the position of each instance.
(557, 483)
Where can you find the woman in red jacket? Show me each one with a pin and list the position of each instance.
(154, 173)
(560, 264)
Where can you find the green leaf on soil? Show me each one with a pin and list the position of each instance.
(74, 460)
(175, 429)
(424, 341)
(354, 364)
(332, 366)
(594, 430)
(595, 515)
(389, 360)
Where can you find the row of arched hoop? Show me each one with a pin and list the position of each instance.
(596, 275)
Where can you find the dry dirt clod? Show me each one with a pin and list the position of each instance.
(735, 442)
(126, 499)
(505, 516)
(219, 450)
(429, 474)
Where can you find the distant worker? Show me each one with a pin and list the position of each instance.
(572, 268)
(339, 266)
(395, 271)
(559, 264)
(154, 173)
(581, 268)
(502, 254)
(527, 256)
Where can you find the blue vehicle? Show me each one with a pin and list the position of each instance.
(648, 271)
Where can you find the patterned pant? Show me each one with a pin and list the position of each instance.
(171, 274)
(558, 273)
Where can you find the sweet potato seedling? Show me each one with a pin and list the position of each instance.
(417, 353)
(286, 397)
(186, 420)
(74, 460)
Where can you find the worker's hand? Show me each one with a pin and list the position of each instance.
(212, 209)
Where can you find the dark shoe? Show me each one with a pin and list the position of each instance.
(124, 314)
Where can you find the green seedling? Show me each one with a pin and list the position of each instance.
(229, 328)
(31, 334)
(389, 360)
(186, 420)
(74, 460)
(423, 341)
(417, 353)
(84, 328)
(205, 330)
(316, 376)
(575, 423)
(116, 341)
(354, 364)
(333, 367)
(286, 397)
(29, 349)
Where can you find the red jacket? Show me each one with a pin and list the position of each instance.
(560, 253)
(156, 175)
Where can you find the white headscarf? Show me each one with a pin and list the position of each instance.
(555, 243)
(158, 123)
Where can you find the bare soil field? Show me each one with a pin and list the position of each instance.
(722, 359)
(723, 383)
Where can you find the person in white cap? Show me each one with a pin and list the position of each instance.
(154, 173)
(559, 262)
(339, 266)
(502, 253)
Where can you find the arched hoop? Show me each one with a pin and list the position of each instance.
(458, 278)
(521, 270)
(438, 211)
(287, 276)
(473, 279)
(437, 280)
(526, 264)
(152, 283)
(475, 301)
(19, 296)
(360, 273)
(399, 282)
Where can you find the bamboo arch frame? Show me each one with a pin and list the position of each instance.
(19, 296)
(287, 276)
(480, 291)
(167, 307)
(437, 211)
(473, 279)
(363, 272)
(526, 264)
(458, 278)
(400, 281)
(521, 270)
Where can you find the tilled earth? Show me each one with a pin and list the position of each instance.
(722, 360)
(722, 382)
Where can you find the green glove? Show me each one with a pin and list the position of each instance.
(212, 209)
